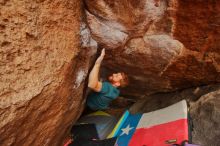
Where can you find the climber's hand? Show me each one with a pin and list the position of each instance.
(100, 58)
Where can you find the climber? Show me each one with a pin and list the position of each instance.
(104, 92)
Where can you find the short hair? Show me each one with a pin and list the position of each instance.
(124, 81)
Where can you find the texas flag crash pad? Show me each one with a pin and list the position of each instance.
(162, 127)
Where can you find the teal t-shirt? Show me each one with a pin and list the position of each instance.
(102, 99)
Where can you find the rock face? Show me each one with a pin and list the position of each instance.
(42, 71)
(163, 45)
(206, 119)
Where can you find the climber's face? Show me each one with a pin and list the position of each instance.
(115, 78)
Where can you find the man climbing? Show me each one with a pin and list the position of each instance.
(104, 92)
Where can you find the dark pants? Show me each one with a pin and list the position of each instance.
(88, 110)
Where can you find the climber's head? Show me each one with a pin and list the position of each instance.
(119, 79)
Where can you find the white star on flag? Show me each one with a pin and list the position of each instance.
(126, 130)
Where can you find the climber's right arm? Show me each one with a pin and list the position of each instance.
(94, 82)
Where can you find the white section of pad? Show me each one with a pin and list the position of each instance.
(172, 113)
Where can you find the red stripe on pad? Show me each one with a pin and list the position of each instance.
(159, 134)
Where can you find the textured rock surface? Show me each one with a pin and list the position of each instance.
(206, 119)
(42, 71)
(162, 45)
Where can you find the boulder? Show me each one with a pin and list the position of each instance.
(162, 45)
(42, 71)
